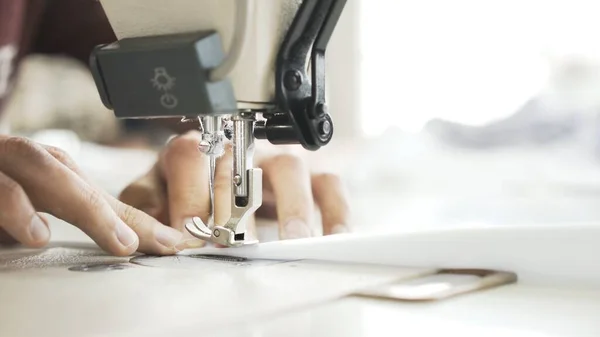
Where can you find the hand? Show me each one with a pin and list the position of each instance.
(176, 189)
(36, 178)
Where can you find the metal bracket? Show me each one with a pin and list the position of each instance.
(301, 115)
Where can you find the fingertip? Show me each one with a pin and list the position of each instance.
(161, 250)
(189, 244)
(128, 239)
(331, 198)
(166, 240)
(296, 229)
(125, 251)
(39, 232)
(158, 250)
(167, 237)
(118, 249)
(128, 251)
(339, 229)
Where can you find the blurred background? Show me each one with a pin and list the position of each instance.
(482, 112)
(446, 113)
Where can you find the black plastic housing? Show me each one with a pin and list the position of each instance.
(162, 76)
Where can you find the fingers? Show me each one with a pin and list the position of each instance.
(149, 195)
(331, 198)
(185, 169)
(61, 192)
(18, 216)
(289, 179)
(154, 237)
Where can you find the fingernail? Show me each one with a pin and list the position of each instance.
(168, 236)
(296, 229)
(125, 234)
(190, 244)
(339, 229)
(39, 230)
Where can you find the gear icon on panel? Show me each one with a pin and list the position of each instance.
(162, 80)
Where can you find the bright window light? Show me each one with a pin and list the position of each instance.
(469, 61)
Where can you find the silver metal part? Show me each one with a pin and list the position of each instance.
(233, 233)
(213, 136)
(199, 229)
(241, 212)
(246, 192)
(213, 145)
(243, 152)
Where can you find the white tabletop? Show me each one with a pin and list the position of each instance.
(42, 297)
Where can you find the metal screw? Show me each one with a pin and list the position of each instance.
(237, 180)
(322, 108)
(204, 146)
(217, 233)
(292, 80)
(325, 127)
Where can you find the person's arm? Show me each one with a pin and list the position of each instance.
(72, 28)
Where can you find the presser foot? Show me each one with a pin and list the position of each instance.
(233, 233)
(219, 234)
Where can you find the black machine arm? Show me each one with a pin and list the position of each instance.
(301, 115)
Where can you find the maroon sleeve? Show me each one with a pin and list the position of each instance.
(72, 28)
(12, 15)
(66, 27)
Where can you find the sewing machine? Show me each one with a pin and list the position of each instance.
(245, 69)
(343, 285)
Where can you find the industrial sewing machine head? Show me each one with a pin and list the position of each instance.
(171, 61)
